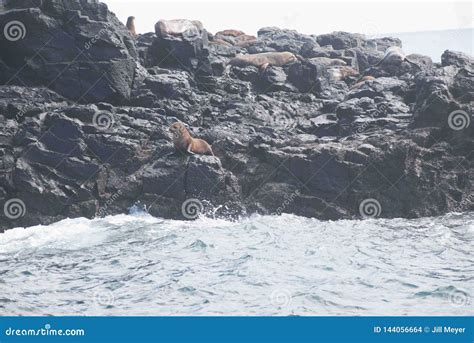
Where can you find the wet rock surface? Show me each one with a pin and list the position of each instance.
(85, 110)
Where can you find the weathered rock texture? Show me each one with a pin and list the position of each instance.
(85, 109)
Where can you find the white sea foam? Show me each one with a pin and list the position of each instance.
(261, 265)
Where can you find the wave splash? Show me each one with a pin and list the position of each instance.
(261, 265)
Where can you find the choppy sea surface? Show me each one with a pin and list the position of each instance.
(262, 265)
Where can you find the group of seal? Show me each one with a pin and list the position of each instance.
(337, 68)
(394, 55)
(184, 143)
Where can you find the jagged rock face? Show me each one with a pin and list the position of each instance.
(77, 48)
(458, 59)
(183, 50)
(275, 39)
(341, 40)
(287, 139)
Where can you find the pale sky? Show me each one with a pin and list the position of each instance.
(312, 17)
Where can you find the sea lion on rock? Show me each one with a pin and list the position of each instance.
(245, 41)
(396, 56)
(362, 81)
(340, 73)
(183, 142)
(264, 59)
(178, 27)
(218, 41)
(391, 62)
(246, 44)
(231, 32)
(131, 27)
(236, 37)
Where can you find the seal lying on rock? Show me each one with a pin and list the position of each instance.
(230, 32)
(218, 41)
(395, 55)
(244, 41)
(264, 59)
(183, 142)
(362, 81)
(340, 73)
(177, 27)
(236, 37)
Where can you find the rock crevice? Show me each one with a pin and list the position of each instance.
(85, 110)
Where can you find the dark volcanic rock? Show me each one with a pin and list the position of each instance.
(76, 48)
(341, 40)
(84, 124)
(181, 51)
(285, 40)
(458, 59)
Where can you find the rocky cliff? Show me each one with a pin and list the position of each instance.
(85, 109)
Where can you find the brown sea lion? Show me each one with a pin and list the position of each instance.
(244, 40)
(341, 73)
(183, 142)
(177, 27)
(231, 32)
(218, 41)
(131, 27)
(362, 81)
(246, 43)
(264, 59)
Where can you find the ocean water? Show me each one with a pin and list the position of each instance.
(261, 265)
(434, 43)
